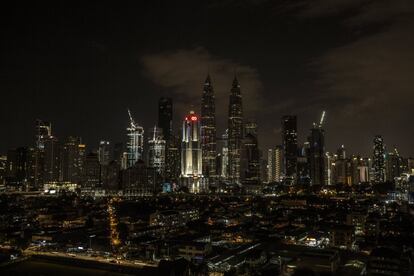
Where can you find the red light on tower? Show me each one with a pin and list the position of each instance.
(193, 118)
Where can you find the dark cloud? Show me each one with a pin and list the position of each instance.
(182, 73)
(352, 58)
(368, 81)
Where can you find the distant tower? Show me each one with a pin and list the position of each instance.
(208, 130)
(275, 172)
(235, 129)
(156, 151)
(224, 169)
(165, 117)
(316, 155)
(135, 145)
(290, 145)
(51, 168)
(43, 131)
(250, 157)
(393, 164)
(191, 154)
(379, 159)
(71, 160)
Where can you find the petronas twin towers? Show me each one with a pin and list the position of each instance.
(208, 132)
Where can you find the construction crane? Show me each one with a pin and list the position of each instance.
(131, 119)
(321, 121)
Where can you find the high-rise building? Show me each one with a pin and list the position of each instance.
(172, 142)
(394, 165)
(104, 152)
(250, 156)
(43, 131)
(51, 167)
(118, 151)
(316, 157)
(278, 164)
(173, 159)
(20, 168)
(191, 155)
(135, 145)
(165, 117)
(235, 129)
(208, 130)
(156, 151)
(410, 165)
(329, 161)
(340, 164)
(224, 155)
(3, 171)
(70, 160)
(275, 172)
(290, 145)
(139, 180)
(363, 170)
(302, 166)
(91, 179)
(379, 159)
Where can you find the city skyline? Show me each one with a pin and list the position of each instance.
(46, 69)
(219, 137)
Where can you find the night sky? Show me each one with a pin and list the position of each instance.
(81, 65)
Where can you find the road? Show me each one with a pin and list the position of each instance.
(134, 264)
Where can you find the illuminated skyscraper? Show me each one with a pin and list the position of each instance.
(208, 130)
(191, 154)
(135, 145)
(235, 129)
(379, 159)
(290, 145)
(224, 168)
(275, 164)
(156, 151)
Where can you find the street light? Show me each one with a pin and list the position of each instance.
(90, 241)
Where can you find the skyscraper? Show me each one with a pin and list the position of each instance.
(70, 160)
(156, 151)
(290, 145)
(43, 131)
(104, 153)
(173, 161)
(191, 154)
(224, 168)
(208, 130)
(235, 129)
(275, 164)
(250, 157)
(379, 159)
(135, 145)
(165, 117)
(316, 158)
(394, 166)
(51, 166)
